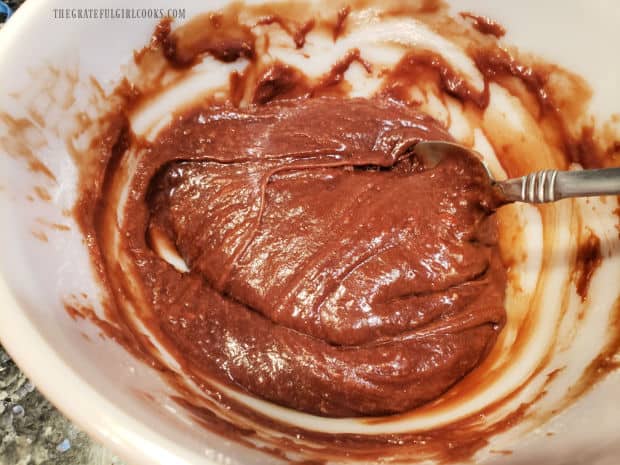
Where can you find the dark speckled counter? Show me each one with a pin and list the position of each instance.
(32, 431)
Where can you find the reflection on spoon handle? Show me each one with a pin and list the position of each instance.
(552, 185)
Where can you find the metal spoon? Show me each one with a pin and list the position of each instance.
(539, 187)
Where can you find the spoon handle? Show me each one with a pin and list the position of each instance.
(551, 185)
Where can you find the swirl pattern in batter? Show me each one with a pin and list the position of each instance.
(328, 270)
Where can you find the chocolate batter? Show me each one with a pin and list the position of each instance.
(329, 271)
(485, 25)
(319, 265)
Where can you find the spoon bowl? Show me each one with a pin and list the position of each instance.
(538, 187)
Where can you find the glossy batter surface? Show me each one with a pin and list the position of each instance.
(273, 298)
(329, 271)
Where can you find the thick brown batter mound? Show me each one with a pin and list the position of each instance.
(329, 271)
(325, 269)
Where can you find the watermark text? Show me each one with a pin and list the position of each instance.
(118, 13)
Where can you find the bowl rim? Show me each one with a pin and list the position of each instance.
(107, 424)
(136, 442)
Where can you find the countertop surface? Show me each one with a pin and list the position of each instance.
(32, 431)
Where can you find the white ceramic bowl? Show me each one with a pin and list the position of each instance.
(94, 381)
